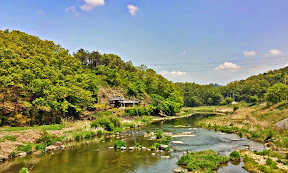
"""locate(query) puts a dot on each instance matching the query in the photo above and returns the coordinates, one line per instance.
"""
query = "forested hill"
(41, 82)
(268, 87)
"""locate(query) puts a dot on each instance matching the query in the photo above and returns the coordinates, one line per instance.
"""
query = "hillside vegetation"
(41, 82)
(268, 87)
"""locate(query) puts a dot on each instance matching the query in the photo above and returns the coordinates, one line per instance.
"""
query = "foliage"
(118, 144)
(235, 155)
(199, 95)
(23, 170)
(9, 138)
(28, 148)
(47, 139)
(277, 93)
(41, 147)
(107, 123)
(235, 107)
(202, 161)
(41, 83)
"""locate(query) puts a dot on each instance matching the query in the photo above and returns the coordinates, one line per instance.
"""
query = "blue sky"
(200, 41)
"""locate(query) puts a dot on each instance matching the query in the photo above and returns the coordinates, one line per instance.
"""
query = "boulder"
(52, 147)
(131, 148)
(57, 144)
(144, 148)
(177, 142)
(62, 146)
(163, 147)
(153, 154)
(122, 148)
(110, 148)
(177, 170)
(22, 154)
(165, 157)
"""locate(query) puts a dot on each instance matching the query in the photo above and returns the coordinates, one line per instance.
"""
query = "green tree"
(277, 93)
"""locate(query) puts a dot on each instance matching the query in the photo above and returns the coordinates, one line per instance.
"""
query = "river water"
(97, 157)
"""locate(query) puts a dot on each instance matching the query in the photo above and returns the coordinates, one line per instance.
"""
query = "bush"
(41, 147)
(28, 148)
(235, 107)
(99, 133)
(115, 120)
(23, 170)
(235, 155)
(118, 144)
(203, 161)
(47, 139)
(103, 122)
(87, 135)
(78, 137)
(148, 131)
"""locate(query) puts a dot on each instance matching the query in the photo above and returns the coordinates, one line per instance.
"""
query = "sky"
(201, 41)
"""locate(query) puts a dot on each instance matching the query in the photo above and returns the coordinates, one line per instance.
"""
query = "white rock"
(177, 142)
(165, 157)
(22, 154)
(110, 148)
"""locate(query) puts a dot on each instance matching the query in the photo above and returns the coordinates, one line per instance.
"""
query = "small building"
(118, 101)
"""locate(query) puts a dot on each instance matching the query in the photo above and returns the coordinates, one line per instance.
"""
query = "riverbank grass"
(202, 161)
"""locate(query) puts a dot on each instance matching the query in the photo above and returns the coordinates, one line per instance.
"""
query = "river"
(97, 157)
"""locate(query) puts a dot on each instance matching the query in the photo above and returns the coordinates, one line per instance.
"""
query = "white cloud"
(41, 12)
(90, 4)
(227, 66)
(286, 65)
(249, 53)
(173, 73)
(274, 52)
(132, 9)
(72, 10)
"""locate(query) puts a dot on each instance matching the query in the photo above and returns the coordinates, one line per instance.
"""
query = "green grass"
(205, 161)
(9, 138)
(45, 127)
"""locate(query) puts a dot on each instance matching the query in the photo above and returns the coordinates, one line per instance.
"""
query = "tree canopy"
(41, 82)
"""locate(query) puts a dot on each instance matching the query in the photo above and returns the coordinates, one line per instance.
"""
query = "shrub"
(235, 107)
(103, 122)
(78, 137)
(235, 155)
(118, 129)
(23, 170)
(148, 131)
(40, 147)
(99, 133)
(203, 161)
(28, 148)
(47, 139)
(87, 135)
(159, 134)
(115, 120)
(118, 144)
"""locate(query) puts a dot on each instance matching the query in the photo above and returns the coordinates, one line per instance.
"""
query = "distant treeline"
(40, 82)
(270, 87)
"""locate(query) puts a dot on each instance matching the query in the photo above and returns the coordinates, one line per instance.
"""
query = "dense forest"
(270, 87)
(41, 82)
